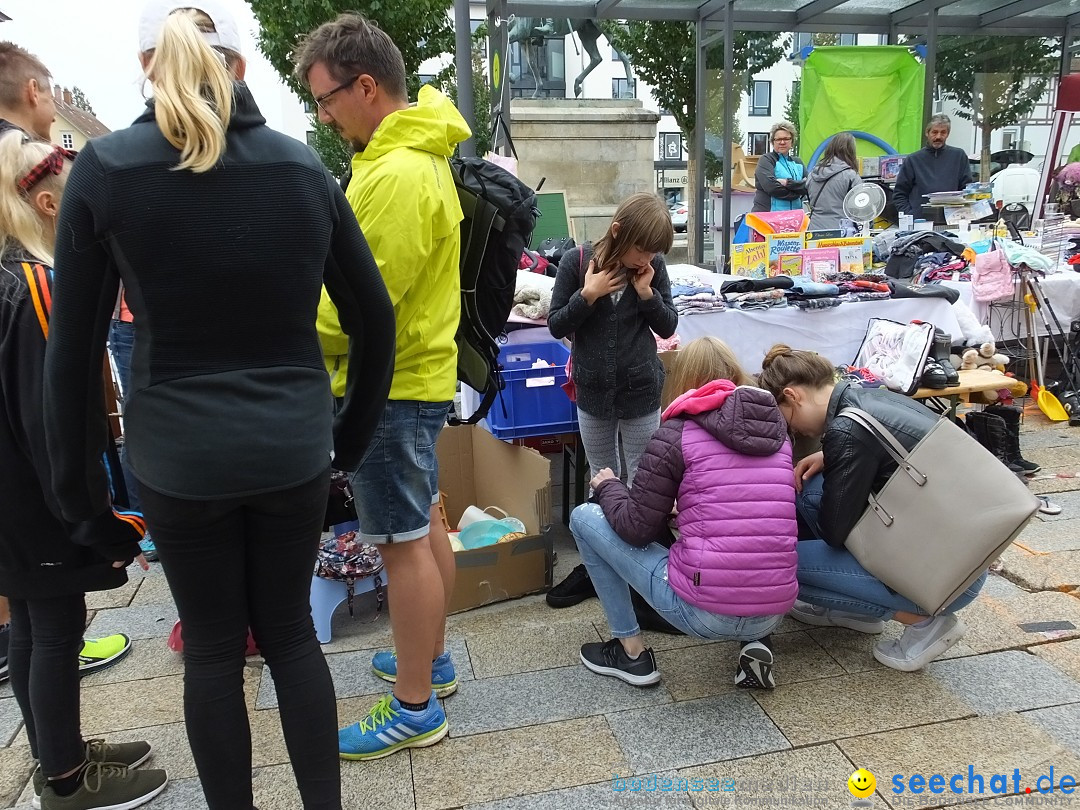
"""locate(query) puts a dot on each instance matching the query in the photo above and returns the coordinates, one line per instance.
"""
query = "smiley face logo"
(861, 783)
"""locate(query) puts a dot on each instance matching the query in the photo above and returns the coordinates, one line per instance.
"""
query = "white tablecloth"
(836, 332)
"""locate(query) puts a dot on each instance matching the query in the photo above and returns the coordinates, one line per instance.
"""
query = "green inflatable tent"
(873, 89)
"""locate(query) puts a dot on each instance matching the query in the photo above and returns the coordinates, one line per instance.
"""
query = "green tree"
(422, 30)
(791, 108)
(78, 99)
(663, 55)
(996, 81)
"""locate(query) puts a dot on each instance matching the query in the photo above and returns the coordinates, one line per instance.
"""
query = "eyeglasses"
(781, 140)
(320, 101)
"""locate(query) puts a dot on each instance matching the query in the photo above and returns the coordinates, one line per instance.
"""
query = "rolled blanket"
(532, 303)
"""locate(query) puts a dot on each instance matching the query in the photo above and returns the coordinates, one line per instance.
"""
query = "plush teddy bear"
(986, 356)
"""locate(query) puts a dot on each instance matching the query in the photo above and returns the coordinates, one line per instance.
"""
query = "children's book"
(819, 261)
(851, 259)
(864, 243)
(750, 259)
(791, 264)
(780, 243)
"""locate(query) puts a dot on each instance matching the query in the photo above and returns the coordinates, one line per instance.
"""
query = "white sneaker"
(826, 617)
(918, 646)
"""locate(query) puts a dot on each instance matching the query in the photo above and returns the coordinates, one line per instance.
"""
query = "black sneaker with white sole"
(609, 658)
(755, 670)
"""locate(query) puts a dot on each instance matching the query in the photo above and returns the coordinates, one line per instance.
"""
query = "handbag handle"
(886, 439)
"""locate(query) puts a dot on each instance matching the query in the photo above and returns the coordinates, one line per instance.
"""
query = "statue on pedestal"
(530, 32)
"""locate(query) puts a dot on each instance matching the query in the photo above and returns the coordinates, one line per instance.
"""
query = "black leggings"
(43, 661)
(237, 563)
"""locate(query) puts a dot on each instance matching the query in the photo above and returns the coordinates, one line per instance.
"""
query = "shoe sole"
(651, 679)
(871, 628)
(130, 805)
(440, 690)
(422, 741)
(932, 652)
(756, 666)
(98, 666)
(559, 602)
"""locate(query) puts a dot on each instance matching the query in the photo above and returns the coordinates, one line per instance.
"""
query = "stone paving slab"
(149, 658)
(352, 675)
(528, 699)
(989, 683)
(988, 745)
(609, 795)
(694, 732)
(709, 669)
(542, 647)
(1064, 655)
(831, 709)
(812, 777)
(1062, 723)
(529, 611)
(1054, 437)
(117, 597)
(148, 621)
(1059, 571)
(366, 629)
(854, 651)
(487, 767)
(1066, 454)
(1041, 536)
(154, 590)
(15, 769)
(10, 721)
(998, 624)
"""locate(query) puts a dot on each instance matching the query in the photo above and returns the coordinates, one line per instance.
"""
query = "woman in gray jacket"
(831, 180)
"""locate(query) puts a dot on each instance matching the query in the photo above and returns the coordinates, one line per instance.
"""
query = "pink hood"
(707, 398)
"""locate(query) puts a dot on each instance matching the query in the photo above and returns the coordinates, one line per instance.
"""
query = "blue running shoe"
(149, 550)
(389, 728)
(443, 674)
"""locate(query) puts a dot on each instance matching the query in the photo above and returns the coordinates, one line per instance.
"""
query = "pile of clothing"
(533, 303)
(941, 266)
(694, 295)
(908, 248)
(756, 293)
(860, 286)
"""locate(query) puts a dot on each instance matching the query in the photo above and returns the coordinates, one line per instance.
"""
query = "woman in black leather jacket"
(834, 485)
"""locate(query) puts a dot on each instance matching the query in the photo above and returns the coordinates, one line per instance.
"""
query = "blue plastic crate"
(533, 402)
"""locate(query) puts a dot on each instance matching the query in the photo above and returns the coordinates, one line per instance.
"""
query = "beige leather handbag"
(950, 509)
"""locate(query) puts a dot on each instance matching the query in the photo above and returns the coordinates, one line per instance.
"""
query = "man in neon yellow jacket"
(405, 200)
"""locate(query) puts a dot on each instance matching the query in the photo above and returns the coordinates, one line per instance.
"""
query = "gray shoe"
(918, 646)
(131, 754)
(825, 617)
(108, 786)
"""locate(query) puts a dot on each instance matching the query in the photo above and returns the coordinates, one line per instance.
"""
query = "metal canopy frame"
(717, 20)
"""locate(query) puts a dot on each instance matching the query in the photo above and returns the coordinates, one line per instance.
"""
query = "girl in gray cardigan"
(612, 296)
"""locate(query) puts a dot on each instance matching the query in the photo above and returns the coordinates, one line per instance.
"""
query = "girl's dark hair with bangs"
(644, 223)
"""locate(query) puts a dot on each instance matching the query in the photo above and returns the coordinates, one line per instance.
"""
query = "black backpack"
(500, 214)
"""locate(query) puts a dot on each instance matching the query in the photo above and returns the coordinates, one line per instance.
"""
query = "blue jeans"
(121, 343)
(397, 483)
(616, 566)
(832, 577)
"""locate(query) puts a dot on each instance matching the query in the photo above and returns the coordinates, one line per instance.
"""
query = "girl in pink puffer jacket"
(723, 454)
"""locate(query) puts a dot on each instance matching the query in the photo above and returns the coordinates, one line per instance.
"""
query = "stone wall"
(597, 151)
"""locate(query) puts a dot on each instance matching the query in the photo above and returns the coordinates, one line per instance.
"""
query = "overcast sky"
(93, 44)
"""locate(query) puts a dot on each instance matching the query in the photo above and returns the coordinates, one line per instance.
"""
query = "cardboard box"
(476, 468)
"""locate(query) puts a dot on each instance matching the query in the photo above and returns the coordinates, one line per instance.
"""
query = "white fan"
(863, 204)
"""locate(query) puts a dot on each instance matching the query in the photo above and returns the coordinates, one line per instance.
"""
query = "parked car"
(680, 215)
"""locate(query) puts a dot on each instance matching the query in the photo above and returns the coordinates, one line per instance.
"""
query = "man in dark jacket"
(936, 167)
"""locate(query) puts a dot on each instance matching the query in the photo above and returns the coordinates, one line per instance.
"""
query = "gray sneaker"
(825, 617)
(131, 754)
(918, 646)
(108, 786)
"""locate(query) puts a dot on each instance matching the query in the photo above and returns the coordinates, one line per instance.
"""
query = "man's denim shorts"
(398, 480)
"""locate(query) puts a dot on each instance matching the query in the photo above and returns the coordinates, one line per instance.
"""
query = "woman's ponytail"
(193, 90)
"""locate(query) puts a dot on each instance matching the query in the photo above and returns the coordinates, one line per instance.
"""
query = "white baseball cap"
(154, 13)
